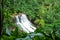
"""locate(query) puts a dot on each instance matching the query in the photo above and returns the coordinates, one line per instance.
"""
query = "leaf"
(42, 22)
(8, 31)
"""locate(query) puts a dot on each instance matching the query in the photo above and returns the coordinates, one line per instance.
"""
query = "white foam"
(25, 24)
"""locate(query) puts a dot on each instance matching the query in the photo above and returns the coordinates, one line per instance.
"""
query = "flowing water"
(23, 23)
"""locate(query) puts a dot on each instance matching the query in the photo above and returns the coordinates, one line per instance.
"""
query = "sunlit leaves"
(42, 22)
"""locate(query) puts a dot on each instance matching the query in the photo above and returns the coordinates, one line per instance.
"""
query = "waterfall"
(24, 23)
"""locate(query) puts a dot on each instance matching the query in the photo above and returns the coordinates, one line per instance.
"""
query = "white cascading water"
(25, 24)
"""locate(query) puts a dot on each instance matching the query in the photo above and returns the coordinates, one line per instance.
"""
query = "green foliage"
(45, 15)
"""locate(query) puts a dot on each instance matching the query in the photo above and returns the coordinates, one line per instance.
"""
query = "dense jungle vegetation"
(44, 14)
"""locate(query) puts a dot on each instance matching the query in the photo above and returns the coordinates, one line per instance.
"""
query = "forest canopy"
(44, 14)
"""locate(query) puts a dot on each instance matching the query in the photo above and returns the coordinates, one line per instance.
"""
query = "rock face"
(24, 24)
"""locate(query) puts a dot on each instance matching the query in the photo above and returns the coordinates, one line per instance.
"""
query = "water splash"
(23, 22)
